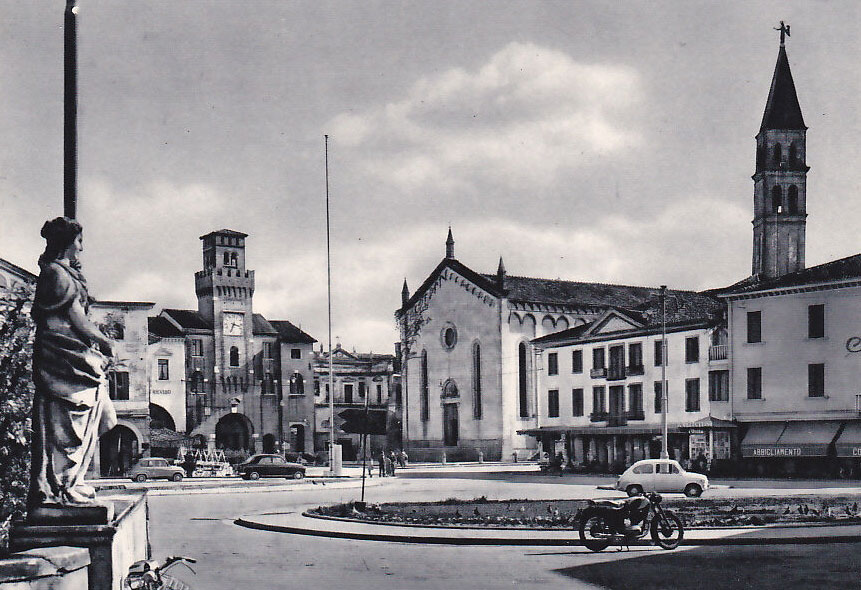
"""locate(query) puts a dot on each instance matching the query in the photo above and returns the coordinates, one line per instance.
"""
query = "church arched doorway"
(233, 432)
(118, 450)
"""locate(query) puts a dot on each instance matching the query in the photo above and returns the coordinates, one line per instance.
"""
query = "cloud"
(520, 119)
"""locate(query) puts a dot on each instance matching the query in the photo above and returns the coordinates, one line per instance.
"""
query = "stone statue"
(71, 407)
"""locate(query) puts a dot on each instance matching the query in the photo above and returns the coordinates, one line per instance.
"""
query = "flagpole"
(665, 453)
(70, 111)
(329, 296)
(365, 434)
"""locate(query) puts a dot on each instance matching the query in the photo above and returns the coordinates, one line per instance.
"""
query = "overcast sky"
(592, 141)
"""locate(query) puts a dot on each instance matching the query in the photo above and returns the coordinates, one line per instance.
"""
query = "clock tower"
(225, 289)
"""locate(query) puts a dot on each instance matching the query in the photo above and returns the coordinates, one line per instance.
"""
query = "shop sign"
(779, 452)
(161, 391)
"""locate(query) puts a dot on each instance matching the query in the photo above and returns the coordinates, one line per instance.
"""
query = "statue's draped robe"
(71, 407)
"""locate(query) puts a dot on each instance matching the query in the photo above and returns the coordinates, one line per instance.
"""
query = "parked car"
(155, 468)
(270, 466)
(661, 475)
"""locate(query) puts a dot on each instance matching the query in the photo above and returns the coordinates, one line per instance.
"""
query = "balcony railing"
(598, 416)
(598, 373)
(635, 370)
(718, 352)
(636, 415)
(616, 374)
(617, 420)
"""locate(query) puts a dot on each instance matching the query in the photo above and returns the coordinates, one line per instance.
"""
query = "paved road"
(231, 557)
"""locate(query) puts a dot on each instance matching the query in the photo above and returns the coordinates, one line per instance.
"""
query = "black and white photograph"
(430, 294)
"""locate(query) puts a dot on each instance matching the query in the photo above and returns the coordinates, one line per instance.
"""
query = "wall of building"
(169, 393)
(298, 409)
(785, 353)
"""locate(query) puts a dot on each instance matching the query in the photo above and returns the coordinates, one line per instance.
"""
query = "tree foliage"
(16, 397)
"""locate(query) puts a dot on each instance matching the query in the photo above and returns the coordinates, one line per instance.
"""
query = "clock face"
(233, 323)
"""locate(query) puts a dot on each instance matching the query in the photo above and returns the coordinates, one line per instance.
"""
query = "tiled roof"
(575, 293)
(189, 319)
(836, 270)
(161, 327)
(227, 232)
(138, 304)
(21, 273)
(261, 325)
(782, 110)
(290, 333)
(545, 291)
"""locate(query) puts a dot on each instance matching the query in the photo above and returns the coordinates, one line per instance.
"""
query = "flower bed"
(695, 513)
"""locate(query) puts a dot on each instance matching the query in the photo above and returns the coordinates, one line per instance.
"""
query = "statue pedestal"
(115, 534)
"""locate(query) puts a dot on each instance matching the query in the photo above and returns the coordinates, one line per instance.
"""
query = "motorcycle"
(148, 574)
(607, 521)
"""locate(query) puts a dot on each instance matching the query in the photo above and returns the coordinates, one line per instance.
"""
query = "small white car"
(661, 475)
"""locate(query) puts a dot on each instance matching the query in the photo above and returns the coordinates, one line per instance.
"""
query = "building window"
(617, 362)
(692, 395)
(598, 405)
(553, 403)
(754, 383)
(234, 356)
(523, 380)
(635, 358)
(576, 361)
(816, 380)
(196, 347)
(598, 358)
(197, 382)
(553, 364)
(659, 353)
(118, 385)
(448, 336)
(719, 386)
(754, 326)
(659, 397)
(227, 259)
(316, 387)
(362, 389)
(348, 393)
(476, 381)
(425, 392)
(269, 350)
(777, 154)
(295, 353)
(776, 199)
(792, 199)
(577, 402)
(692, 349)
(379, 393)
(163, 370)
(450, 389)
(635, 401)
(816, 321)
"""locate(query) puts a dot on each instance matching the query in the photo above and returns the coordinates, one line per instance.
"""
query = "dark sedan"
(270, 466)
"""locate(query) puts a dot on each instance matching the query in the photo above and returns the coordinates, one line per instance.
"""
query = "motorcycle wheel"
(667, 532)
(594, 531)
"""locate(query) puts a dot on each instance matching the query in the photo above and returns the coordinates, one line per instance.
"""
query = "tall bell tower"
(780, 181)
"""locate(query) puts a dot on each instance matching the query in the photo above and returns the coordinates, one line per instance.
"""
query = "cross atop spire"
(784, 33)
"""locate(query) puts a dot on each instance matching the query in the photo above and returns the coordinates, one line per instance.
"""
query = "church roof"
(782, 110)
(161, 327)
(290, 333)
(189, 319)
(262, 326)
(837, 270)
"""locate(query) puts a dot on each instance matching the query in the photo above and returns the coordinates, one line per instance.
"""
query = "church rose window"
(449, 337)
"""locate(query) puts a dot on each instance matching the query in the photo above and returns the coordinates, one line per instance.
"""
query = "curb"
(738, 540)
(237, 489)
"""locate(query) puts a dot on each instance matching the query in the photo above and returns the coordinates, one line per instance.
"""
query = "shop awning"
(599, 430)
(849, 443)
(789, 439)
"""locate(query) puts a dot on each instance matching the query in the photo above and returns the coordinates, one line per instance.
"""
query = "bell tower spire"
(449, 245)
(780, 180)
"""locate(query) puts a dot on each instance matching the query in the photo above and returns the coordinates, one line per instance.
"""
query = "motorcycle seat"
(612, 504)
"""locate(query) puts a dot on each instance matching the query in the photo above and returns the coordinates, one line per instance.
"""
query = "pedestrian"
(382, 463)
(189, 463)
(392, 462)
(403, 458)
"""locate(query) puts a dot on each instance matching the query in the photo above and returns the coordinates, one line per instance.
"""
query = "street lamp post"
(665, 454)
(70, 111)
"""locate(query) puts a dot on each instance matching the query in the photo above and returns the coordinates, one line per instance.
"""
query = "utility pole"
(332, 466)
(70, 111)
(665, 453)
